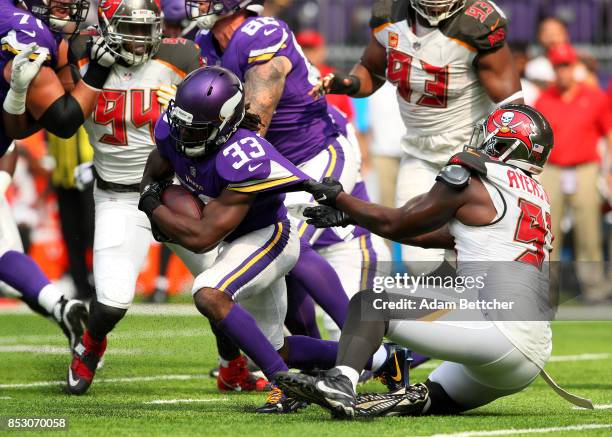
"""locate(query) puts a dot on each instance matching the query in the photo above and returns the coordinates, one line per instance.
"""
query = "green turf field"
(155, 359)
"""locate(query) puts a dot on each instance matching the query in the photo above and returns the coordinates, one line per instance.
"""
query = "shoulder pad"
(455, 176)
(481, 25)
(181, 53)
(471, 160)
(388, 11)
(79, 49)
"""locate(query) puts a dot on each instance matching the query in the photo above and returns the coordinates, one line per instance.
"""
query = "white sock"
(379, 358)
(223, 363)
(351, 374)
(48, 297)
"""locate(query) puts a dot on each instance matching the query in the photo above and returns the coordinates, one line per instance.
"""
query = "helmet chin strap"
(509, 150)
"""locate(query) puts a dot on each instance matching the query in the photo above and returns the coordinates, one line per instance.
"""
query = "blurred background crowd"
(563, 49)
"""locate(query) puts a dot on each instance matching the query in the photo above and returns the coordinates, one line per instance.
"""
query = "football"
(181, 201)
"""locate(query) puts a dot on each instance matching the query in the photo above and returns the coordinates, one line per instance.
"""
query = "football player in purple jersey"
(34, 64)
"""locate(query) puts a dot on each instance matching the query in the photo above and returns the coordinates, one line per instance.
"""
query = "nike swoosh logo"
(73, 382)
(31, 33)
(398, 372)
(253, 168)
(269, 31)
(324, 388)
(495, 25)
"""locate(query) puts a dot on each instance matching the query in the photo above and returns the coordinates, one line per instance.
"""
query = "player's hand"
(158, 235)
(336, 83)
(83, 176)
(165, 93)
(101, 53)
(324, 192)
(150, 198)
(26, 66)
(327, 217)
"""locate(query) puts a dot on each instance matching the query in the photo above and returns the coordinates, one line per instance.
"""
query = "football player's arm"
(222, 215)
(367, 76)
(263, 88)
(498, 75)
(439, 239)
(420, 215)
(156, 169)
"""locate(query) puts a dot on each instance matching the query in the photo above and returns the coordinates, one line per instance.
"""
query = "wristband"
(15, 102)
(96, 75)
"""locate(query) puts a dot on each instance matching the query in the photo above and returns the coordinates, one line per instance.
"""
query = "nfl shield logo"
(193, 171)
(393, 40)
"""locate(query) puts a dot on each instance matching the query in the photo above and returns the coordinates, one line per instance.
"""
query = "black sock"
(102, 319)
(362, 334)
(225, 346)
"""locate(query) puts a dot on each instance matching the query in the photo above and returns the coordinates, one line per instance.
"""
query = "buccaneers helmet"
(131, 28)
(518, 135)
(61, 16)
(435, 11)
(207, 12)
(207, 110)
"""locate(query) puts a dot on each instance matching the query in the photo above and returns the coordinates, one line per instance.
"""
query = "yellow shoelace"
(274, 396)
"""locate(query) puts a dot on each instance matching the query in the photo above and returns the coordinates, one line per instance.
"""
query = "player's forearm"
(369, 82)
(438, 239)
(18, 126)
(156, 169)
(499, 76)
(196, 235)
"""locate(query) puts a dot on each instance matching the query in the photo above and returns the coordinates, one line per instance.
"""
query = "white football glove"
(101, 53)
(165, 93)
(26, 66)
(83, 176)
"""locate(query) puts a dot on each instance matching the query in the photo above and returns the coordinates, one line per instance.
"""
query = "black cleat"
(73, 317)
(278, 403)
(331, 390)
(395, 372)
(405, 401)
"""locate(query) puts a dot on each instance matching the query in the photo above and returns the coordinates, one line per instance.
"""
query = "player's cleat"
(72, 318)
(332, 390)
(279, 403)
(394, 373)
(83, 367)
(405, 401)
(236, 377)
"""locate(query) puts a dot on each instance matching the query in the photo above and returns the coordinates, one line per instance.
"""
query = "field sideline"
(155, 381)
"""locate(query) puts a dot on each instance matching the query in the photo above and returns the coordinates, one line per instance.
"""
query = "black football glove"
(150, 198)
(327, 217)
(338, 83)
(324, 192)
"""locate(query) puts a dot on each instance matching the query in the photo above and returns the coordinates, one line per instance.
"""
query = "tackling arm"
(497, 74)
(156, 169)
(263, 88)
(221, 217)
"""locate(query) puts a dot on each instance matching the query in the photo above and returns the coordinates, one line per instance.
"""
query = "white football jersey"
(513, 251)
(437, 86)
(121, 126)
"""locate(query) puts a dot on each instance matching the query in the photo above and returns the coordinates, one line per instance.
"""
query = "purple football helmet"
(173, 10)
(62, 16)
(208, 107)
(207, 12)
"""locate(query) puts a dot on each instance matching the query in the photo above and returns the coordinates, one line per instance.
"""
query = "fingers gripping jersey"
(247, 163)
(300, 126)
(19, 28)
(522, 229)
(121, 127)
(437, 86)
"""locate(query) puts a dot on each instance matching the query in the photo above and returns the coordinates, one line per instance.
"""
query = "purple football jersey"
(247, 163)
(19, 28)
(300, 127)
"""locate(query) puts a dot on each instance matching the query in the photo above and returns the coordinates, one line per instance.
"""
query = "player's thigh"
(474, 386)
(269, 309)
(121, 242)
(196, 263)
(252, 262)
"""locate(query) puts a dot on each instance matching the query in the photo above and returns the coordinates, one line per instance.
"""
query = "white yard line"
(597, 407)
(5, 397)
(527, 430)
(57, 350)
(182, 401)
(110, 380)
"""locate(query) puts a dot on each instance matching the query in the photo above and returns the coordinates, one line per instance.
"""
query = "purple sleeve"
(261, 39)
(162, 137)
(25, 30)
(249, 164)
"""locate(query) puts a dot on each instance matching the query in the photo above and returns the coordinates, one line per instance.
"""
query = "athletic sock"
(379, 358)
(226, 348)
(308, 353)
(102, 320)
(351, 374)
(240, 326)
(301, 318)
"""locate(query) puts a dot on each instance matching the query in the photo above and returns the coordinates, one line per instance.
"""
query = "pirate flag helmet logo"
(515, 134)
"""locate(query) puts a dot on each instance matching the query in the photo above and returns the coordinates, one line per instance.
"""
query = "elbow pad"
(64, 117)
